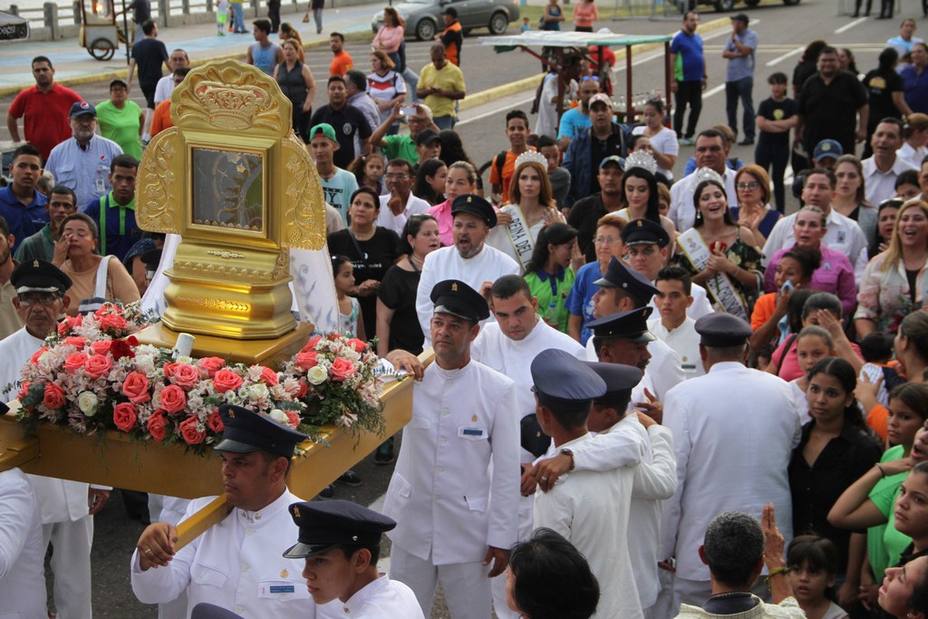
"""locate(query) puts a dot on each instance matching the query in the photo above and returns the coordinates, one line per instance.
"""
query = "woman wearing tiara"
(722, 256)
(639, 193)
(531, 207)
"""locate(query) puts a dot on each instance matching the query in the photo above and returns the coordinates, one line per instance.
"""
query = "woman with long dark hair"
(549, 274)
(430, 181)
(452, 148)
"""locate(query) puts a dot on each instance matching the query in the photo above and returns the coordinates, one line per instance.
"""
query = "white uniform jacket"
(22, 557)
(446, 263)
(440, 492)
(59, 500)
(664, 370)
(591, 509)
(381, 599)
(684, 341)
(236, 564)
(697, 309)
(734, 430)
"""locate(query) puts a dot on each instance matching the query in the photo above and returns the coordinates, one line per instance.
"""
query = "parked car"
(722, 5)
(424, 20)
(13, 27)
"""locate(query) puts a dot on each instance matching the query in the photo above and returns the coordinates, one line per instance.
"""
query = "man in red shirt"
(44, 109)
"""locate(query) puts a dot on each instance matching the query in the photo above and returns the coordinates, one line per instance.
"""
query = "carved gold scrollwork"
(303, 222)
(157, 208)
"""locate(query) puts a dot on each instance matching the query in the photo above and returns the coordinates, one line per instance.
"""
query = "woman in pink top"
(390, 36)
(461, 180)
(585, 13)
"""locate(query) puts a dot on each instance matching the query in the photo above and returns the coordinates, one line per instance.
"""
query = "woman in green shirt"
(121, 120)
(549, 274)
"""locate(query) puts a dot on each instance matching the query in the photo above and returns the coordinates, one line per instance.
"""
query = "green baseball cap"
(326, 129)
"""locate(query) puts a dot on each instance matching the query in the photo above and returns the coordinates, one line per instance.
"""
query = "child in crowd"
(222, 16)
(525, 25)
(812, 563)
(369, 171)
(775, 117)
(812, 345)
(877, 351)
(350, 323)
(557, 174)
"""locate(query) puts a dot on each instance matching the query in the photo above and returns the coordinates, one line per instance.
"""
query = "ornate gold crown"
(231, 106)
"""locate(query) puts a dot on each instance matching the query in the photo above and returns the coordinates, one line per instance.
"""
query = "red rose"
(208, 366)
(293, 418)
(226, 380)
(333, 336)
(190, 431)
(53, 397)
(168, 369)
(268, 376)
(107, 308)
(76, 341)
(98, 365)
(120, 349)
(358, 345)
(23, 390)
(172, 399)
(341, 369)
(303, 390)
(74, 362)
(214, 422)
(35, 356)
(100, 347)
(125, 416)
(158, 426)
(311, 344)
(113, 322)
(306, 360)
(135, 387)
(184, 375)
(71, 322)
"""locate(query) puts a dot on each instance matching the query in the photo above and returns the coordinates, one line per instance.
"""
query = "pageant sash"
(520, 237)
(726, 296)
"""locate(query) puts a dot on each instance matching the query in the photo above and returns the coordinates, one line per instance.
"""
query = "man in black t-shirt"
(885, 89)
(776, 116)
(352, 130)
(148, 55)
(586, 212)
(141, 13)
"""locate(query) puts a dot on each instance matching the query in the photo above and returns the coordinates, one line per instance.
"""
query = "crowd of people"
(676, 363)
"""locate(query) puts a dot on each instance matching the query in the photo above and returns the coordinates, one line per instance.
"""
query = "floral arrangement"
(93, 375)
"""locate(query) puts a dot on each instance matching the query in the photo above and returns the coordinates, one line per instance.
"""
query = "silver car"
(424, 20)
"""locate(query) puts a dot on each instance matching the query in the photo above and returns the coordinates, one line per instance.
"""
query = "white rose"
(279, 416)
(87, 401)
(145, 364)
(258, 391)
(317, 375)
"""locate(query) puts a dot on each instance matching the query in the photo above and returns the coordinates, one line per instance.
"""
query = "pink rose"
(208, 366)
(341, 369)
(74, 362)
(158, 426)
(185, 375)
(54, 396)
(23, 390)
(98, 365)
(293, 418)
(113, 322)
(69, 323)
(226, 380)
(168, 369)
(101, 347)
(268, 376)
(189, 431)
(76, 341)
(125, 416)
(173, 399)
(358, 345)
(135, 387)
(35, 356)
(303, 389)
(311, 344)
(214, 422)
(306, 360)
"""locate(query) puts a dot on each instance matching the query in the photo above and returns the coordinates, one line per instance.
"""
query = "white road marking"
(779, 59)
(713, 91)
(847, 27)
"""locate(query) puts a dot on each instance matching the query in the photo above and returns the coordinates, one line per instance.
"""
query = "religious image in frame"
(228, 189)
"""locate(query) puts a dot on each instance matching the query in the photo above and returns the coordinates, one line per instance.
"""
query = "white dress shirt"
(446, 263)
(440, 492)
(662, 374)
(236, 564)
(682, 208)
(164, 88)
(684, 341)
(591, 509)
(698, 308)
(382, 599)
(879, 186)
(911, 155)
(843, 234)
(734, 430)
(387, 219)
(22, 557)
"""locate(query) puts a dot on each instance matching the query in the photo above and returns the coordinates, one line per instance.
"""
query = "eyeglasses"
(605, 240)
(748, 185)
(589, 78)
(29, 299)
(395, 177)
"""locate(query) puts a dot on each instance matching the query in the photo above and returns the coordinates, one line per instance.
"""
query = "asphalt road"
(783, 31)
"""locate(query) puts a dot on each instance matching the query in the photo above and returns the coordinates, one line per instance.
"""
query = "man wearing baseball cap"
(337, 184)
(585, 153)
(82, 162)
(739, 76)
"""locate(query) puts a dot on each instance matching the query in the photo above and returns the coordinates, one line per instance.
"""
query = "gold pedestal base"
(269, 352)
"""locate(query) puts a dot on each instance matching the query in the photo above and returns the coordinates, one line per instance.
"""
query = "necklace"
(412, 262)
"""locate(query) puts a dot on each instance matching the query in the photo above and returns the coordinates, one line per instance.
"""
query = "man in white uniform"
(470, 260)
(842, 234)
(672, 326)
(590, 509)
(508, 346)
(449, 529)
(622, 289)
(22, 573)
(730, 455)
(66, 507)
(233, 564)
(710, 153)
(340, 542)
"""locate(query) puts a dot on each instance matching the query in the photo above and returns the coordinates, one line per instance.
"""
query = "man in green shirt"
(114, 212)
(121, 120)
(41, 245)
(403, 146)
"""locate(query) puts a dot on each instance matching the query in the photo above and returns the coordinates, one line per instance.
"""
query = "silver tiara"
(641, 159)
(708, 174)
(531, 155)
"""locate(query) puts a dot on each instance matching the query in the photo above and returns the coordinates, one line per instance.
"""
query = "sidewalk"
(74, 66)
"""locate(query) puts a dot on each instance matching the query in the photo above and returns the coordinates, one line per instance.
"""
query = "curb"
(528, 83)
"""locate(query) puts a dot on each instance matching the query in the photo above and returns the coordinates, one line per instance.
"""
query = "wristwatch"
(570, 454)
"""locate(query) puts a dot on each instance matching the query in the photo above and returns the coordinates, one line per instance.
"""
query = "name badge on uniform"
(276, 588)
(472, 433)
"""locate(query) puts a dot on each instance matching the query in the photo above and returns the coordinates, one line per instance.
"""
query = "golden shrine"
(240, 188)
